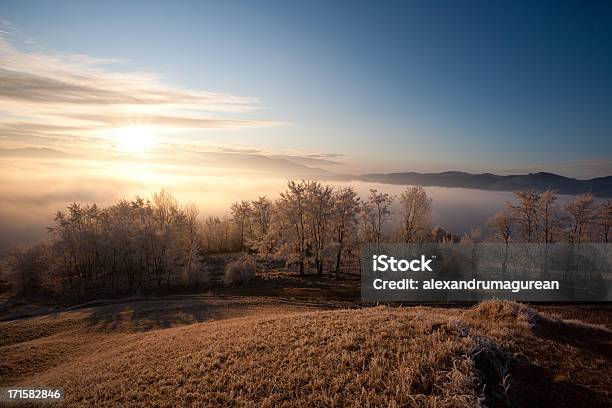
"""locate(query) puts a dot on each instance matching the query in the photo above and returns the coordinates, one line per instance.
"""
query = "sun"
(134, 139)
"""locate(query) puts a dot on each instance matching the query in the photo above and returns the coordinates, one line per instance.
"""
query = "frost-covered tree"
(548, 218)
(319, 215)
(346, 207)
(291, 223)
(376, 211)
(605, 222)
(242, 213)
(263, 239)
(416, 214)
(581, 213)
(525, 214)
(28, 267)
(142, 244)
(502, 224)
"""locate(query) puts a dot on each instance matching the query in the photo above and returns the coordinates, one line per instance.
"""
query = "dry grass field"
(257, 351)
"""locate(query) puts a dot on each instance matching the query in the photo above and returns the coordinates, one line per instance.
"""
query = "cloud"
(34, 152)
(241, 158)
(327, 156)
(47, 96)
(75, 78)
(172, 121)
(312, 159)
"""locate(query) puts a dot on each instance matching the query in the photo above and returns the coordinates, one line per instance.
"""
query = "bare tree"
(525, 214)
(219, 236)
(319, 211)
(376, 212)
(605, 222)
(291, 222)
(549, 221)
(346, 209)
(549, 226)
(580, 218)
(136, 245)
(191, 242)
(262, 215)
(502, 224)
(27, 267)
(262, 241)
(241, 216)
(416, 214)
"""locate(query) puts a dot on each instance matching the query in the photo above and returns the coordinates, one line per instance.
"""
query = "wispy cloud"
(47, 96)
(313, 159)
(248, 158)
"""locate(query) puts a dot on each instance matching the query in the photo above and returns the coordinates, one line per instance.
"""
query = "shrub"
(240, 271)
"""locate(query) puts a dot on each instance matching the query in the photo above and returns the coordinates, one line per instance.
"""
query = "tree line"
(158, 243)
(539, 218)
(313, 224)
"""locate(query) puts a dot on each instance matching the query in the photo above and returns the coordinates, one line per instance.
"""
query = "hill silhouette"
(600, 186)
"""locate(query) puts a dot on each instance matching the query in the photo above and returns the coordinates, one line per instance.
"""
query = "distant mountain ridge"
(600, 186)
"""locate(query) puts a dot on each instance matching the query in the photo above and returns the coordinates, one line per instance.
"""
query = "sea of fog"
(31, 193)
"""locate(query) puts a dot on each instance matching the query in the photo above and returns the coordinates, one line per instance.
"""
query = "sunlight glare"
(135, 139)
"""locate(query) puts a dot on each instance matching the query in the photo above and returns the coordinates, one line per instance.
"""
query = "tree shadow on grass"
(160, 314)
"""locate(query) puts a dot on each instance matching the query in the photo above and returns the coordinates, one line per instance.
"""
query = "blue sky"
(417, 85)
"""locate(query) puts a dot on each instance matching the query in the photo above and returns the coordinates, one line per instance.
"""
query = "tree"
(167, 254)
(376, 212)
(344, 221)
(241, 216)
(134, 245)
(191, 242)
(261, 214)
(263, 239)
(416, 214)
(548, 219)
(291, 222)
(217, 236)
(319, 211)
(27, 266)
(525, 214)
(549, 226)
(580, 218)
(502, 224)
(605, 222)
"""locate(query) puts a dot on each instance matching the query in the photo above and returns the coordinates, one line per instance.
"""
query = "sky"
(224, 101)
(349, 87)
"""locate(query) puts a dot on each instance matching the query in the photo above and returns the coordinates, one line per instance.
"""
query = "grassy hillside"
(197, 351)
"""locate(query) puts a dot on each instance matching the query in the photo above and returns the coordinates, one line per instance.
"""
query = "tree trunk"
(338, 256)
